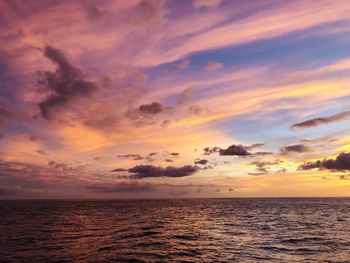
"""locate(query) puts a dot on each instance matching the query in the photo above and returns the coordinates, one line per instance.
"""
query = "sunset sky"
(176, 98)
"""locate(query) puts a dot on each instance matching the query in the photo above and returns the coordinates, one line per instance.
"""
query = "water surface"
(195, 230)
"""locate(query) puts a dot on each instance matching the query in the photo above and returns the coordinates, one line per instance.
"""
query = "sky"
(174, 98)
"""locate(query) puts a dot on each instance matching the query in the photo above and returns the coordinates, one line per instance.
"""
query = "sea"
(181, 230)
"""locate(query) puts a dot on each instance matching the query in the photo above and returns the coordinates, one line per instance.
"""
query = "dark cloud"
(65, 85)
(208, 150)
(322, 120)
(175, 154)
(165, 123)
(257, 173)
(41, 152)
(17, 169)
(297, 148)
(235, 150)
(119, 170)
(33, 138)
(169, 160)
(263, 167)
(147, 114)
(146, 171)
(196, 109)
(201, 162)
(238, 150)
(152, 108)
(149, 159)
(158, 113)
(35, 175)
(131, 156)
(340, 163)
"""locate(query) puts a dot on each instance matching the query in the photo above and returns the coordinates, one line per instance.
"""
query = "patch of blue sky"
(295, 50)
(273, 127)
(303, 49)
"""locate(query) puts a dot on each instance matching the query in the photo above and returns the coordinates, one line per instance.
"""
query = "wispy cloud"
(322, 120)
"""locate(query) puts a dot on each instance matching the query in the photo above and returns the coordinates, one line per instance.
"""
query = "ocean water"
(194, 230)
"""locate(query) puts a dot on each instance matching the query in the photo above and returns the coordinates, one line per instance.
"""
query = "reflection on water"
(203, 230)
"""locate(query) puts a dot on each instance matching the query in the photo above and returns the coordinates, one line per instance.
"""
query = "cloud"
(201, 161)
(9, 169)
(131, 156)
(147, 114)
(41, 152)
(322, 120)
(119, 170)
(340, 163)
(36, 175)
(297, 148)
(206, 3)
(146, 171)
(183, 64)
(156, 112)
(263, 167)
(208, 150)
(65, 85)
(238, 150)
(261, 164)
(152, 108)
(235, 150)
(214, 65)
(258, 173)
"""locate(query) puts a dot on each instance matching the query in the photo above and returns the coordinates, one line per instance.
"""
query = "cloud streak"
(297, 148)
(148, 171)
(322, 120)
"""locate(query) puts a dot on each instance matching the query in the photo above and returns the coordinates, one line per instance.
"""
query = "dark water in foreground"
(203, 230)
